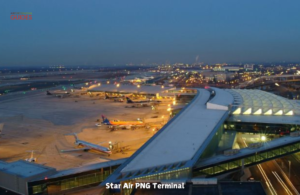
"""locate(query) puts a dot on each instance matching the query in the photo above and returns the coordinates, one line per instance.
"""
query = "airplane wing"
(74, 150)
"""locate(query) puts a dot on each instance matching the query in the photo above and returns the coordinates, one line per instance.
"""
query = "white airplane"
(88, 146)
(129, 101)
(31, 159)
(142, 103)
(59, 94)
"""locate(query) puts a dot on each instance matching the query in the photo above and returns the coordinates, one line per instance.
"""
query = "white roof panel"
(181, 139)
(222, 97)
(257, 99)
(24, 169)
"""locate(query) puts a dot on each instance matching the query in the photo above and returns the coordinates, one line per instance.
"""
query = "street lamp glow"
(107, 82)
(118, 85)
(263, 138)
(153, 131)
(162, 86)
(138, 86)
(99, 84)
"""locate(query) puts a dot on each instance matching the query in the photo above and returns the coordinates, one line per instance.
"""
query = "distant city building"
(248, 66)
(227, 68)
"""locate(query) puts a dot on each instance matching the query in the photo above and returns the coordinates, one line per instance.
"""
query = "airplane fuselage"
(135, 102)
(93, 146)
(135, 123)
(127, 124)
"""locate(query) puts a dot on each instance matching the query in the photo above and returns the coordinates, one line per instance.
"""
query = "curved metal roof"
(257, 102)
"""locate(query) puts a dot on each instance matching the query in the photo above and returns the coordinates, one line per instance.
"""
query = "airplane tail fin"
(105, 120)
(48, 93)
(129, 100)
(74, 134)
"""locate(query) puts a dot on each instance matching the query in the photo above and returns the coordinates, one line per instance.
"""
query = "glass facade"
(169, 175)
(212, 147)
(256, 158)
(261, 127)
(175, 174)
(62, 184)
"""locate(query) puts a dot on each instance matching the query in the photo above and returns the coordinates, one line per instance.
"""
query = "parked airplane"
(60, 94)
(122, 124)
(119, 98)
(129, 101)
(88, 146)
(139, 105)
(31, 159)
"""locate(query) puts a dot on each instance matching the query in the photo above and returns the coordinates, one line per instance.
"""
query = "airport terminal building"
(197, 143)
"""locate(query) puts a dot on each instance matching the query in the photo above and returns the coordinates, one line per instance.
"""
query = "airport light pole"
(110, 145)
(138, 87)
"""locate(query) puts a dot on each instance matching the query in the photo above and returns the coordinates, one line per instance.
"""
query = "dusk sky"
(106, 32)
